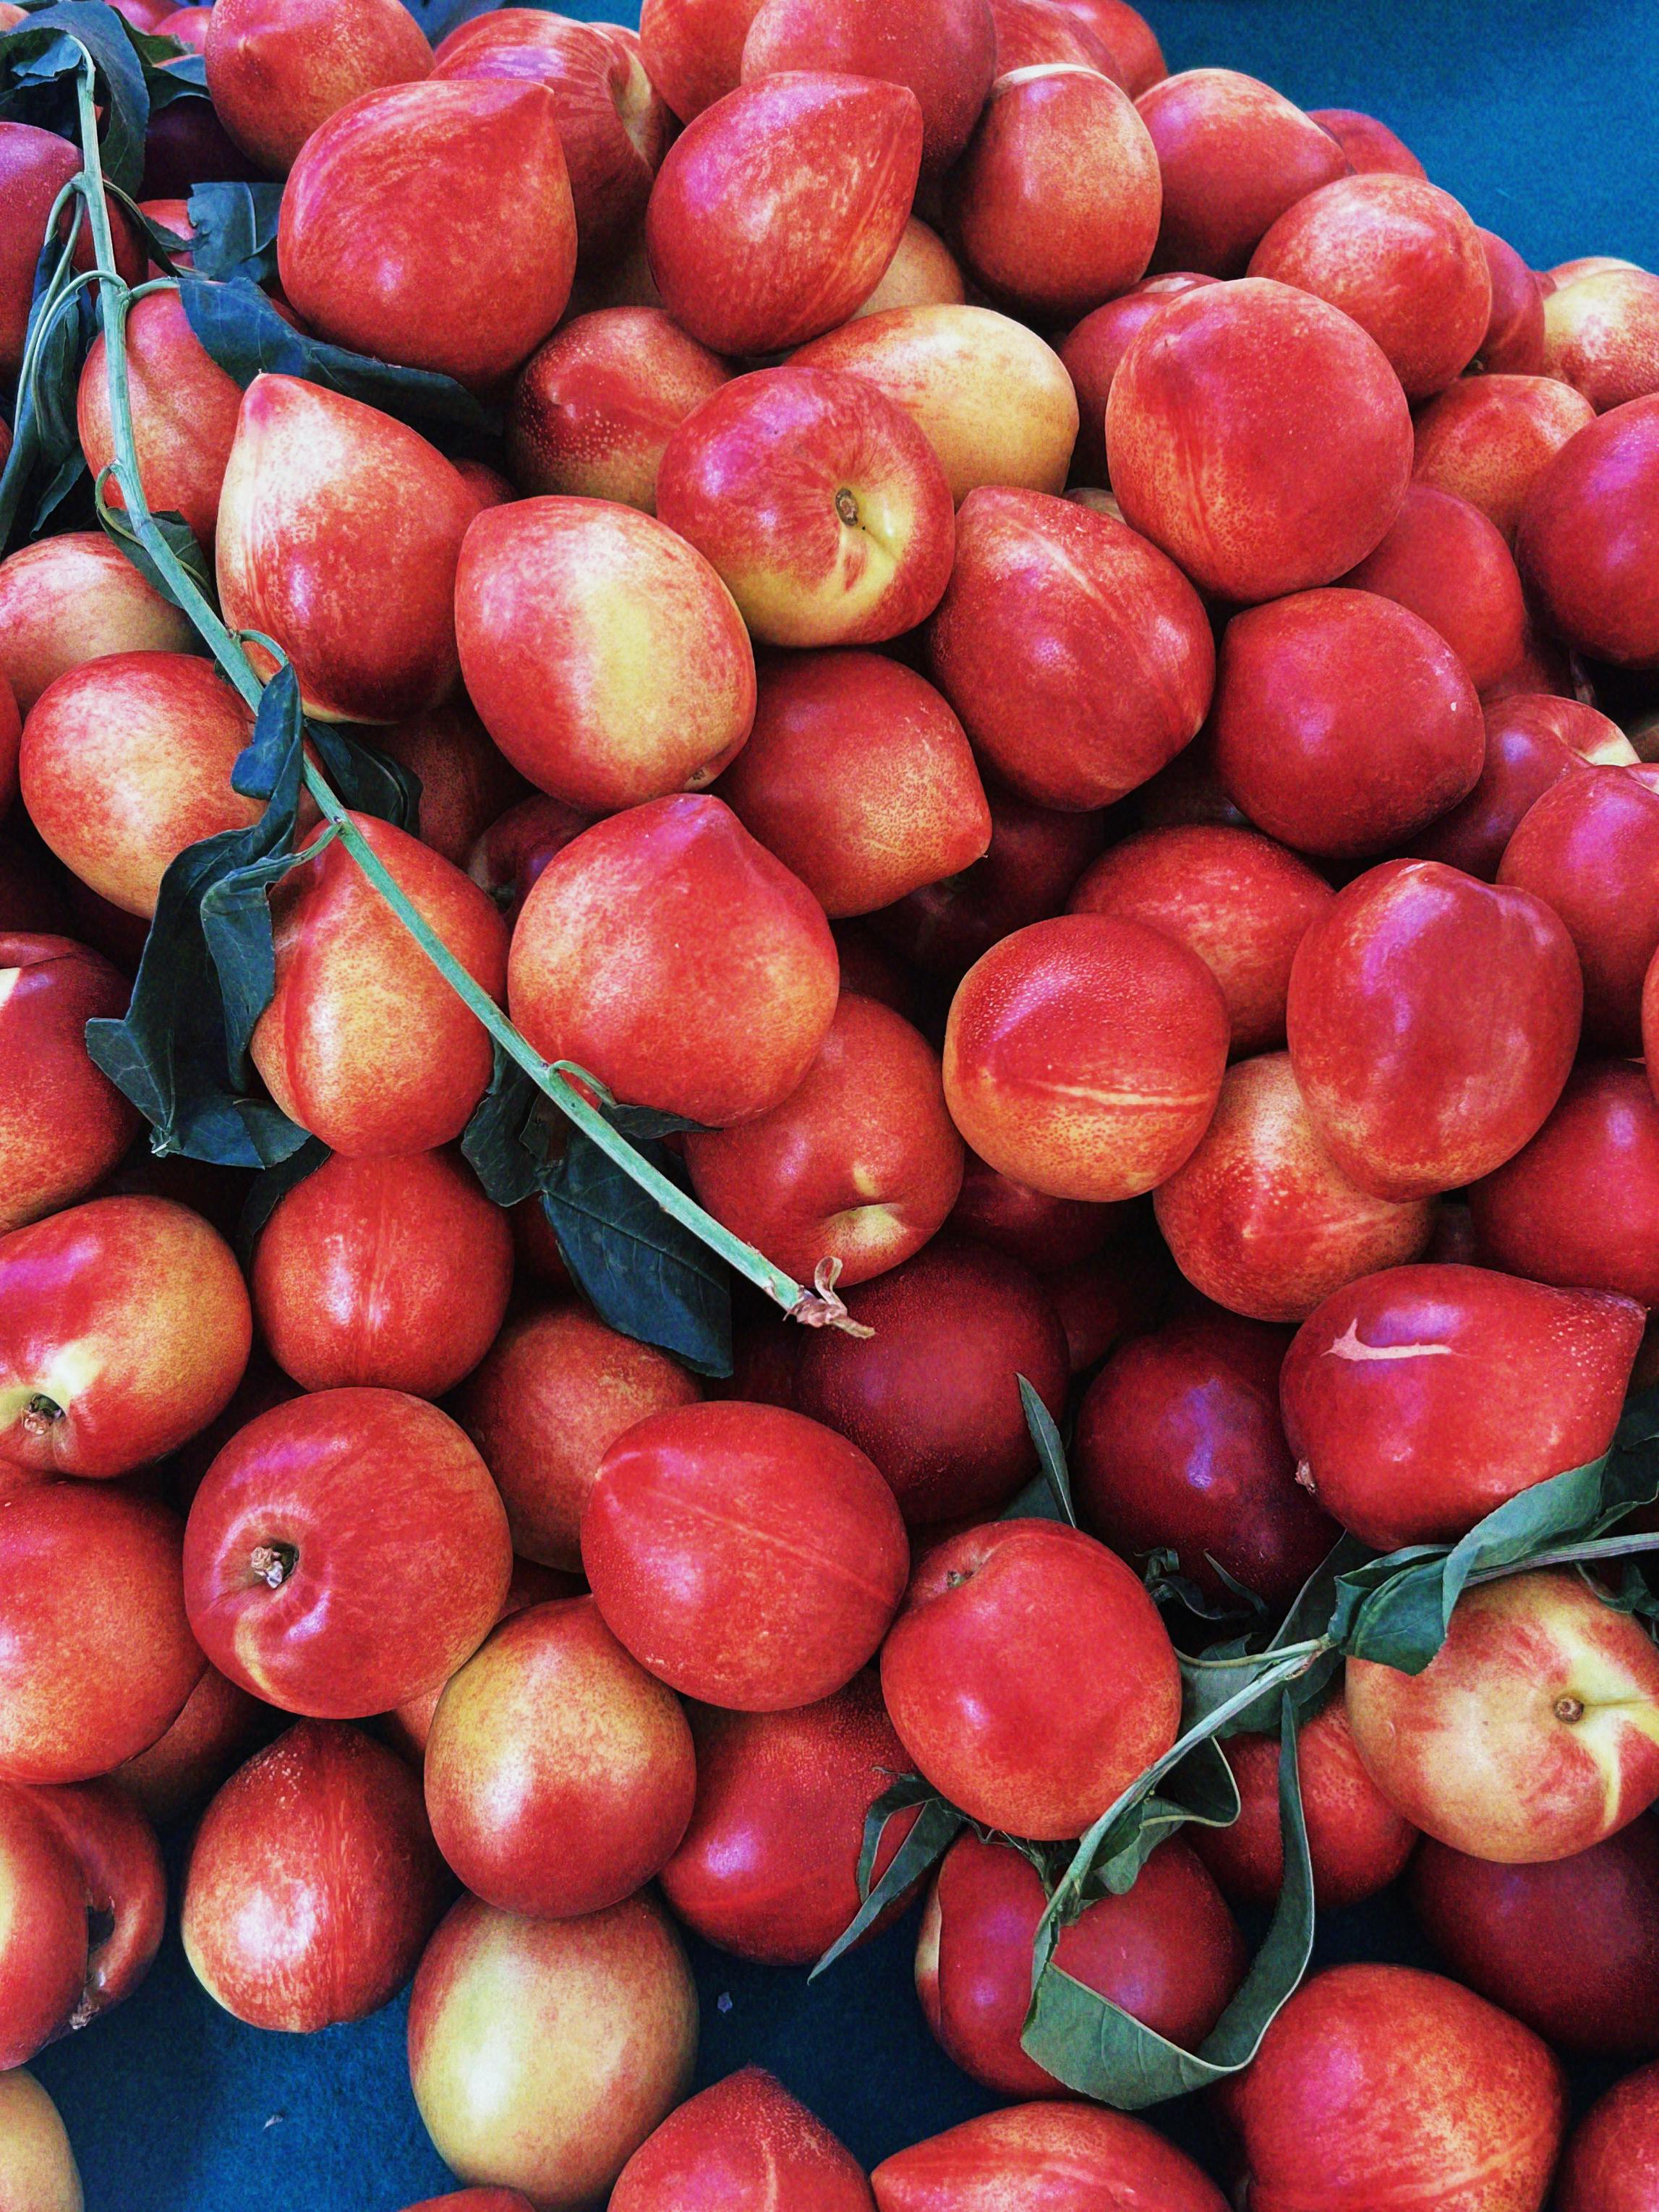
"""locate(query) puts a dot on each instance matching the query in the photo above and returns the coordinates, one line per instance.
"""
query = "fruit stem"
(818, 1305)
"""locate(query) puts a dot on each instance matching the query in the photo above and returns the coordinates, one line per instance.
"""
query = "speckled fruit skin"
(1487, 438)
(1533, 741)
(1094, 350)
(1571, 1948)
(1447, 563)
(593, 409)
(994, 402)
(944, 51)
(820, 501)
(1045, 1234)
(1356, 1842)
(175, 1775)
(1137, 1023)
(1079, 658)
(1044, 2157)
(1601, 335)
(1612, 2163)
(98, 1656)
(1418, 1400)
(1514, 343)
(543, 2052)
(184, 414)
(393, 1539)
(994, 1621)
(776, 212)
(1381, 2070)
(1234, 154)
(389, 1272)
(65, 600)
(466, 785)
(559, 1774)
(313, 1881)
(121, 1888)
(1590, 848)
(1589, 539)
(694, 49)
(127, 760)
(1260, 437)
(1402, 258)
(1343, 722)
(1167, 1953)
(769, 1866)
(130, 1316)
(63, 1123)
(1371, 146)
(1532, 1734)
(743, 2146)
(1241, 901)
(364, 1043)
(1179, 1443)
(339, 532)
(555, 1392)
(718, 1024)
(34, 167)
(1260, 1220)
(276, 71)
(861, 1163)
(43, 1928)
(859, 778)
(475, 2200)
(749, 1557)
(1433, 1023)
(933, 1395)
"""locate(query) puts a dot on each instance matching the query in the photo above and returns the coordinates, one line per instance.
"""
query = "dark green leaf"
(365, 779)
(271, 1188)
(1225, 1669)
(163, 245)
(234, 230)
(497, 1143)
(179, 535)
(937, 1827)
(40, 64)
(1050, 1497)
(1166, 1584)
(175, 72)
(240, 328)
(1200, 1789)
(46, 463)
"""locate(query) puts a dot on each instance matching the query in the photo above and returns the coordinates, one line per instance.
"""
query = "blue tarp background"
(1544, 119)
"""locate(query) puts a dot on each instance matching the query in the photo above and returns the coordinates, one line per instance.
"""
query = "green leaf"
(234, 230)
(118, 527)
(271, 1188)
(1201, 1790)
(1051, 1456)
(936, 1827)
(239, 327)
(1097, 2050)
(1220, 1673)
(40, 65)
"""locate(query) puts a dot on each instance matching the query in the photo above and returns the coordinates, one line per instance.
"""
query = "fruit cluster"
(869, 640)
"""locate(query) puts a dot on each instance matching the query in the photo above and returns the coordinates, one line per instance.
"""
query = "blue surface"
(1544, 120)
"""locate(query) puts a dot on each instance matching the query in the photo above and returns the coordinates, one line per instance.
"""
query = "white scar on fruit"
(1349, 1347)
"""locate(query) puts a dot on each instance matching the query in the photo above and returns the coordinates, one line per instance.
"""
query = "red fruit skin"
(1588, 540)
(1140, 1026)
(559, 1774)
(34, 167)
(364, 1043)
(1079, 659)
(129, 1317)
(716, 1026)
(391, 1554)
(1044, 1234)
(63, 1123)
(614, 125)
(1601, 333)
(1420, 1399)
(934, 1397)
(1447, 563)
(123, 1882)
(474, 2200)
(1356, 1842)
(1402, 258)
(1235, 155)
(1093, 351)
(1344, 723)
(1036, 855)
(1513, 344)
(1044, 2157)
(993, 1620)
(1590, 848)
(43, 1929)
(1054, 205)
(555, 1392)
(217, 1723)
(97, 1657)
(1033, 34)
(769, 1866)
(408, 1727)
(1179, 1443)
(593, 409)
(313, 1881)
(944, 52)
(276, 70)
(186, 145)
(184, 413)
(693, 49)
(1238, 900)
(76, 598)
(860, 1165)
(1433, 1023)
(466, 785)
(774, 214)
(394, 1273)
(1612, 2163)
(1487, 438)
(1580, 1204)
(1533, 741)
(339, 534)
(743, 2146)
(1261, 1221)
(1572, 1948)
(1375, 2070)
(1284, 412)
(506, 858)
(859, 777)
(748, 1557)
(1168, 1953)
(1371, 146)
(1128, 38)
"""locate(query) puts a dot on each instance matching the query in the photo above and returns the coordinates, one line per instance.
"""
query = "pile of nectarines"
(1057, 662)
